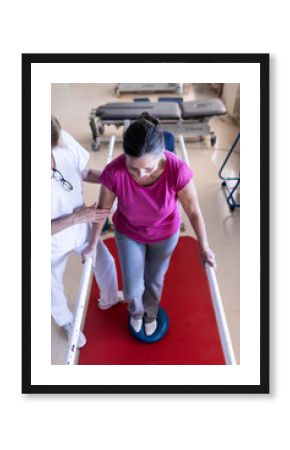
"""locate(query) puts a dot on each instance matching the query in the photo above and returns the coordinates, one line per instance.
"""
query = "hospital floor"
(71, 104)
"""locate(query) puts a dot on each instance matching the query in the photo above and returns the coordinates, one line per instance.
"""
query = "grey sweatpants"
(143, 269)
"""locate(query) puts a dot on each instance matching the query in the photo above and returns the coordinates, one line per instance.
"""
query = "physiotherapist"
(71, 226)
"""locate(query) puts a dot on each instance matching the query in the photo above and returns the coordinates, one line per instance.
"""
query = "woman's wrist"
(203, 246)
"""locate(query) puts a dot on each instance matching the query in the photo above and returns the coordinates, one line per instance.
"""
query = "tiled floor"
(71, 104)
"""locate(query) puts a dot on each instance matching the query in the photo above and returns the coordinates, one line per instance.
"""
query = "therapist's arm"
(91, 175)
(84, 214)
(106, 201)
(189, 201)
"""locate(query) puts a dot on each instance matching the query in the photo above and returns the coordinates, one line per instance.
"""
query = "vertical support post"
(220, 316)
(79, 310)
(110, 149)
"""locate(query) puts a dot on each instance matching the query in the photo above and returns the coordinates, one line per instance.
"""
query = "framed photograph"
(145, 259)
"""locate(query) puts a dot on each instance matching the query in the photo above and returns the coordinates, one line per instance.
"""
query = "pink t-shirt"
(147, 213)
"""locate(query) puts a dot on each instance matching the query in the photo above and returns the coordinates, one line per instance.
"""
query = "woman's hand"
(90, 214)
(89, 252)
(189, 201)
(207, 256)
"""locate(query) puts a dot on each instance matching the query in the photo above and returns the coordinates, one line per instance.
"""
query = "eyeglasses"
(58, 177)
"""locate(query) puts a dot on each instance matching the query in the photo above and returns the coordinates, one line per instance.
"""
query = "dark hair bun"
(143, 136)
(145, 115)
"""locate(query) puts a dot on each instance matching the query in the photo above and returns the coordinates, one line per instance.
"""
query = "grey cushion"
(133, 110)
(211, 107)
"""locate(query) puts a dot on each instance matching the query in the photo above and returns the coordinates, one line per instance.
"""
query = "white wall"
(231, 98)
(124, 422)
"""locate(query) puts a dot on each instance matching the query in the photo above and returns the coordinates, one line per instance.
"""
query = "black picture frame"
(263, 61)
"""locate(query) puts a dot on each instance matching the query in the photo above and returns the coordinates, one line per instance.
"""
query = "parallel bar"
(83, 289)
(220, 316)
(109, 159)
(183, 149)
(79, 310)
(215, 294)
(110, 149)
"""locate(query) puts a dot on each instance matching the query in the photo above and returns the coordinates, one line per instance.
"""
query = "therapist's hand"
(90, 214)
(89, 252)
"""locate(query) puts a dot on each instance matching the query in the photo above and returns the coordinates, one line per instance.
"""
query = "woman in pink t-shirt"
(148, 181)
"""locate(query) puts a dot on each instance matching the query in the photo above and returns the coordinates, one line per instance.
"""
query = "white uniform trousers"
(105, 275)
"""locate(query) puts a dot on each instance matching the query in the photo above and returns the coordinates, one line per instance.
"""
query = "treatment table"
(186, 118)
(130, 88)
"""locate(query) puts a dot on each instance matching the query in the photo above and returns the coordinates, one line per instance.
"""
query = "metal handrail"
(79, 308)
(215, 295)
(83, 290)
(220, 316)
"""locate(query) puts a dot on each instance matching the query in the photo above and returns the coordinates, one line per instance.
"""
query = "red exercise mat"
(192, 337)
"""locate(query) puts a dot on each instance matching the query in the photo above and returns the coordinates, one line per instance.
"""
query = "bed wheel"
(232, 208)
(100, 128)
(212, 140)
(224, 183)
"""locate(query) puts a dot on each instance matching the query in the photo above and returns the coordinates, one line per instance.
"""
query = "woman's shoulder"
(174, 161)
(110, 176)
(179, 173)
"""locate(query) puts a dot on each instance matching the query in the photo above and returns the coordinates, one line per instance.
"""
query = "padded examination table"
(161, 110)
(133, 110)
(186, 118)
(206, 108)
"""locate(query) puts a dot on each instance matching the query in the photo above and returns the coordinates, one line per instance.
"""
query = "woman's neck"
(156, 174)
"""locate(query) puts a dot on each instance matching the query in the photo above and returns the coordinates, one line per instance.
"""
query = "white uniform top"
(70, 159)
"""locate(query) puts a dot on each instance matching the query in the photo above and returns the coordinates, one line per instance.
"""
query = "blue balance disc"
(159, 333)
